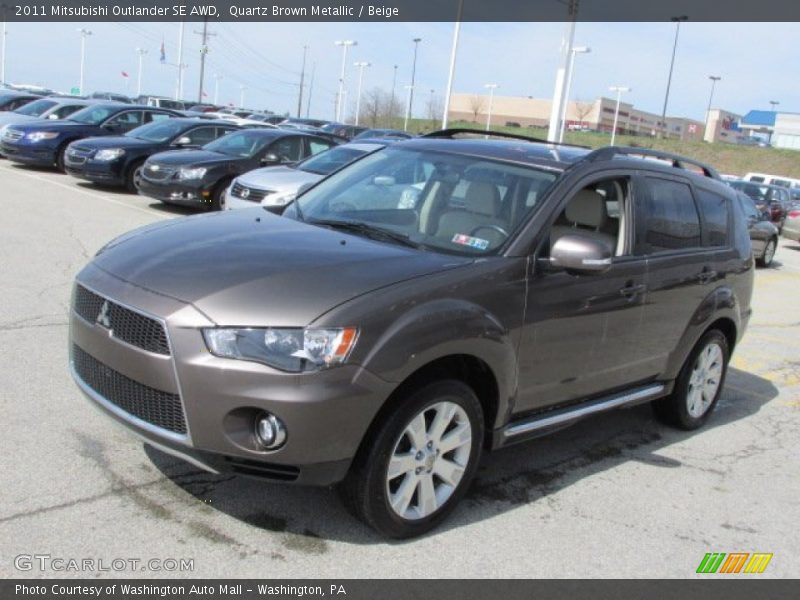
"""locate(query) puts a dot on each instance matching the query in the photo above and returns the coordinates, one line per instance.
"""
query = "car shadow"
(508, 478)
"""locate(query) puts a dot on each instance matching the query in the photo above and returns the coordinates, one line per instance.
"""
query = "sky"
(757, 61)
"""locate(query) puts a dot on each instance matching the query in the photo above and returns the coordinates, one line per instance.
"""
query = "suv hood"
(278, 178)
(251, 268)
(186, 158)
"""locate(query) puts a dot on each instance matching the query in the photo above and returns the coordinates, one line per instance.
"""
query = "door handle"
(630, 290)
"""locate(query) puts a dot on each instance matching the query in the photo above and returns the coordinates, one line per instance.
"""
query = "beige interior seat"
(586, 214)
(481, 207)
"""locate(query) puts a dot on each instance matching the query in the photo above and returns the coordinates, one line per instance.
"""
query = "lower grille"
(156, 407)
(125, 324)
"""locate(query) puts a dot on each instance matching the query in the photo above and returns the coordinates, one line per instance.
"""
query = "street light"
(570, 71)
(677, 21)
(452, 71)
(491, 87)
(345, 44)
(3, 43)
(714, 79)
(361, 65)
(84, 34)
(408, 107)
(619, 89)
(413, 75)
(217, 77)
(141, 52)
(774, 103)
(394, 85)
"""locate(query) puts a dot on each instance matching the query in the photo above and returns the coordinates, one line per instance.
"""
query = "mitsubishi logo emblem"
(103, 317)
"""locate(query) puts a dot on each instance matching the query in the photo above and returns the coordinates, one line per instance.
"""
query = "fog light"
(270, 431)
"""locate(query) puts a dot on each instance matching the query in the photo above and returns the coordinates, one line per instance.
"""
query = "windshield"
(242, 144)
(331, 160)
(36, 108)
(759, 193)
(456, 204)
(93, 115)
(158, 131)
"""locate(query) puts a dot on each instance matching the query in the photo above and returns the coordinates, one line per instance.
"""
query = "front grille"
(248, 193)
(12, 135)
(127, 325)
(157, 172)
(153, 406)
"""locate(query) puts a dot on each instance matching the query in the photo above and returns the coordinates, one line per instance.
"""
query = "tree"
(476, 103)
(582, 110)
(435, 110)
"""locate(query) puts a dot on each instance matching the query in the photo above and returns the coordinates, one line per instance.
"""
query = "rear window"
(715, 217)
(668, 217)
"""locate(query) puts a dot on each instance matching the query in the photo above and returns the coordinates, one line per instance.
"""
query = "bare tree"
(582, 110)
(476, 103)
(373, 106)
(435, 110)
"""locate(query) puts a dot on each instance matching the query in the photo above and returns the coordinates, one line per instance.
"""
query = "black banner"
(402, 10)
(387, 589)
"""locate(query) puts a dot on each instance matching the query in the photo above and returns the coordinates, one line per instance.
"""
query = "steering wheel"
(495, 228)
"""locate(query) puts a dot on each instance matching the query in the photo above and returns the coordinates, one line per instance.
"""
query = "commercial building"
(723, 126)
(597, 115)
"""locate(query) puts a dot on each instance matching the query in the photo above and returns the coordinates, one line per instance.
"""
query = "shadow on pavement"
(510, 477)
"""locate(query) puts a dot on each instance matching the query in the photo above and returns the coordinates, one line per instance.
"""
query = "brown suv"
(439, 298)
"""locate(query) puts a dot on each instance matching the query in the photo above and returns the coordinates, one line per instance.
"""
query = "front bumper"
(326, 413)
(190, 193)
(29, 153)
(106, 172)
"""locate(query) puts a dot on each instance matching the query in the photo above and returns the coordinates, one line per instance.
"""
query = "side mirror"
(182, 141)
(53, 116)
(270, 159)
(581, 254)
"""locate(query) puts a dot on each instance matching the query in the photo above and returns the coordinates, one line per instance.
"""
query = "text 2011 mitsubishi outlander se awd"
(439, 298)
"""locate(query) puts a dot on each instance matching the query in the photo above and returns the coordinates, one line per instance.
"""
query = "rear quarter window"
(667, 217)
(715, 209)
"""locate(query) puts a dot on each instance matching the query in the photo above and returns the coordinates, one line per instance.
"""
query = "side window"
(127, 120)
(748, 207)
(201, 136)
(668, 217)
(288, 149)
(715, 217)
(149, 117)
(65, 111)
(220, 131)
(315, 146)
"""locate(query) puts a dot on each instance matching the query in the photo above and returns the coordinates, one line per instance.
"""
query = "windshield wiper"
(367, 230)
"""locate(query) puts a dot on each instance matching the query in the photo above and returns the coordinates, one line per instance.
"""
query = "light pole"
(141, 52)
(568, 88)
(677, 21)
(361, 65)
(84, 34)
(491, 87)
(773, 103)
(3, 43)
(408, 107)
(302, 83)
(242, 88)
(179, 84)
(394, 85)
(345, 44)
(217, 77)
(554, 130)
(619, 89)
(413, 75)
(452, 71)
(714, 79)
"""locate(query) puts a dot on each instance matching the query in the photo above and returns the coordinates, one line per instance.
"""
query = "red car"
(771, 199)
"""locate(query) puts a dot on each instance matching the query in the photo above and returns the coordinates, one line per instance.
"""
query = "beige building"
(723, 126)
(596, 115)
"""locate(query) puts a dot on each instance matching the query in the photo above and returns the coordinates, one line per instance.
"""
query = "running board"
(561, 418)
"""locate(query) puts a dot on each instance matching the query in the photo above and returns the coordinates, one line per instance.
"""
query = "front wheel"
(769, 253)
(699, 384)
(218, 197)
(419, 463)
(134, 178)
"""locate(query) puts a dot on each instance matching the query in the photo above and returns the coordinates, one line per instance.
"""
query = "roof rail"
(678, 161)
(450, 133)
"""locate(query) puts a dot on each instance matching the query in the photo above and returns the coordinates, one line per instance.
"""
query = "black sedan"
(763, 234)
(200, 177)
(45, 143)
(118, 159)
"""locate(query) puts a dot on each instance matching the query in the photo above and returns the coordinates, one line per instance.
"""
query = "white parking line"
(91, 194)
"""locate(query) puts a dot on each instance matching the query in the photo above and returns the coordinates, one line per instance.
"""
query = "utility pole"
(310, 88)
(302, 83)
(559, 94)
(677, 21)
(618, 89)
(141, 52)
(203, 52)
(408, 108)
(84, 33)
(394, 84)
(413, 76)
(345, 44)
(452, 71)
(360, 66)
(714, 79)
(3, 44)
(491, 87)
(181, 66)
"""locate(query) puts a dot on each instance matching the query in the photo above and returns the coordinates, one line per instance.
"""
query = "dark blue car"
(45, 144)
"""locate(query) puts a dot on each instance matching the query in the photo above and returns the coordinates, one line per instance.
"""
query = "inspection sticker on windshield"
(472, 242)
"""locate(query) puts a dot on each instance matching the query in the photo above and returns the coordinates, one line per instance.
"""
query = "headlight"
(197, 173)
(109, 154)
(279, 200)
(292, 350)
(38, 136)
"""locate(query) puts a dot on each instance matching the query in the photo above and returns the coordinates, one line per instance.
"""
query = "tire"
(765, 259)
(133, 177)
(417, 498)
(61, 157)
(689, 406)
(218, 197)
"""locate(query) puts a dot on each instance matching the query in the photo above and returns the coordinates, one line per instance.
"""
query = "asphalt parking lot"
(615, 496)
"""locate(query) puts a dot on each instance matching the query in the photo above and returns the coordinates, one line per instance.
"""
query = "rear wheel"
(699, 384)
(420, 461)
(61, 157)
(134, 177)
(769, 253)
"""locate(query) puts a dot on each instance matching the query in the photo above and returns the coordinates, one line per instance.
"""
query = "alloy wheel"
(704, 380)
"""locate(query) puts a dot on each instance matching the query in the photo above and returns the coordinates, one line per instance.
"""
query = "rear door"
(680, 269)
